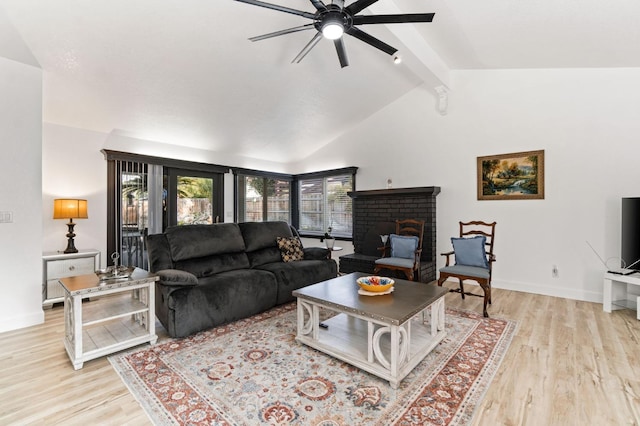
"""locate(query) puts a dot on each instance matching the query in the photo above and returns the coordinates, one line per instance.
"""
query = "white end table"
(615, 293)
(109, 324)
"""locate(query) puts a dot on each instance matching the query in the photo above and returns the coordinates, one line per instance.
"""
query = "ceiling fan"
(333, 20)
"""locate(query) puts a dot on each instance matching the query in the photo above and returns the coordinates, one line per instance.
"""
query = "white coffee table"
(108, 324)
(386, 335)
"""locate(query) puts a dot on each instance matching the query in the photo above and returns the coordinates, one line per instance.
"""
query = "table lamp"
(70, 209)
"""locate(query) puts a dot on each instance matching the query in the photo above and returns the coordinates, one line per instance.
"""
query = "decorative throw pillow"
(290, 248)
(403, 246)
(470, 251)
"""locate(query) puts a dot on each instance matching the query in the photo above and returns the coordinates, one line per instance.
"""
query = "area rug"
(253, 372)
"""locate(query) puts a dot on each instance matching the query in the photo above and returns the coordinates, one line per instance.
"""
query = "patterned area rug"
(253, 372)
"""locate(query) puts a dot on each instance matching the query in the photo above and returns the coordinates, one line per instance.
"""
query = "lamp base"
(71, 247)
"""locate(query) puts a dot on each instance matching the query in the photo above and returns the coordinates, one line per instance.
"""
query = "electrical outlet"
(554, 271)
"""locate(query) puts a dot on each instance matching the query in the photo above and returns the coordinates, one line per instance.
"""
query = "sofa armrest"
(176, 277)
(316, 253)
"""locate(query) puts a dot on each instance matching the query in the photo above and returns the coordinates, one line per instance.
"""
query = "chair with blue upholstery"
(405, 249)
(473, 253)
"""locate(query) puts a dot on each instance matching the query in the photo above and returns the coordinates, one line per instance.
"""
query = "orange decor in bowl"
(375, 284)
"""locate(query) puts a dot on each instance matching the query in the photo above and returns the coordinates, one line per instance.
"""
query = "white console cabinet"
(621, 292)
(56, 265)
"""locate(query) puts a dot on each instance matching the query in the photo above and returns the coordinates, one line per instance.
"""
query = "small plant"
(327, 235)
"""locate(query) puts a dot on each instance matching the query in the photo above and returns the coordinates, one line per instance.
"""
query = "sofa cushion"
(294, 275)
(260, 241)
(193, 241)
(260, 235)
(290, 248)
(158, 252)
(217, 300)
(209, 265)
(316, 253)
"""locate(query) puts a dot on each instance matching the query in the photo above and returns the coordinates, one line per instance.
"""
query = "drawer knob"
(72, 268)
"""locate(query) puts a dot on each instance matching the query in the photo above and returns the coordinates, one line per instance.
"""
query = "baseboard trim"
(15, 323)
(545, 290)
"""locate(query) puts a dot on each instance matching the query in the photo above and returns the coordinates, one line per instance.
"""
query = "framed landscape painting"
(517, 176)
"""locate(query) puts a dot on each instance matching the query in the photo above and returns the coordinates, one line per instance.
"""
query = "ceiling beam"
(429, 67)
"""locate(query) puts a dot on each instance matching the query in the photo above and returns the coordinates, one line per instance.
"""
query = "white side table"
(109, 324)
(615, 293)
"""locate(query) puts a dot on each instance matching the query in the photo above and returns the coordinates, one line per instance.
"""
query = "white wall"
(74, 167)
(20, 193)
(585, 120)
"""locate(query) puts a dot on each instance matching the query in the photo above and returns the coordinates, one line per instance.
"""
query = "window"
(263, 198)
(193, 197)
(324, 203)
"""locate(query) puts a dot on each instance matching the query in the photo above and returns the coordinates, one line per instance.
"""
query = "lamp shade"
(69, 209)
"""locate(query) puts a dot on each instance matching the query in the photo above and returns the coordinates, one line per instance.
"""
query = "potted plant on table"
(329, 240)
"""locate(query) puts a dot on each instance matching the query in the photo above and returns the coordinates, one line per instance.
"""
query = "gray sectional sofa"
(214, 274)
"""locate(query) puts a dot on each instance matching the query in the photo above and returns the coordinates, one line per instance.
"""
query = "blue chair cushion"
(470, 271)
(403, 246)
(395, 261)
(470, 251)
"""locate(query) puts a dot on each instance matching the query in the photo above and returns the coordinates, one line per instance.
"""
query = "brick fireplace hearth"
(375, 213)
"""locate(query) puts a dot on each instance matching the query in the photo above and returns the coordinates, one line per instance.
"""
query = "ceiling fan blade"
(316, 38)
(359, 5)
(342, 53)
(282, 32)
(279, 8)
(318, 4)
(371, 40)
(393, 19)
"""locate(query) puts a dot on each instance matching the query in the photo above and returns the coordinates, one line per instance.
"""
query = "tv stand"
(615, 293)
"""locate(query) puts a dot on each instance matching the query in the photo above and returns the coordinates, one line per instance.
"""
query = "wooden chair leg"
(486, 287)
(461, 288)
(484, 307)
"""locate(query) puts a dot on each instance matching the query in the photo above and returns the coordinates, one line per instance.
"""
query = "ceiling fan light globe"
(332, 31)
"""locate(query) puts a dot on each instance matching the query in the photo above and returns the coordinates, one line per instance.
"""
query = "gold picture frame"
(515, 176)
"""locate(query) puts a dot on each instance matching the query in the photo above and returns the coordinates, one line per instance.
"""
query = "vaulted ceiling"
(184, 72)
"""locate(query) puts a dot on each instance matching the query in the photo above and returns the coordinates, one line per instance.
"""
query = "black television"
(631, 232)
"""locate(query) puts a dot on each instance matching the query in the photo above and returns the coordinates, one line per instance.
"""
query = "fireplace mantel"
(426, 190)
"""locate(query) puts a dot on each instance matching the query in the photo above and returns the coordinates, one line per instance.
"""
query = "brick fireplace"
(375, 213)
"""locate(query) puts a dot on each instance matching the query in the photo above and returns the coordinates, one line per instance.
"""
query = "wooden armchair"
(404, 249)
(473, 253)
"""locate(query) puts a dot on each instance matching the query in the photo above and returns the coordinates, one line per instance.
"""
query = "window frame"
(324, 175)
(294, 192)
(240, 174)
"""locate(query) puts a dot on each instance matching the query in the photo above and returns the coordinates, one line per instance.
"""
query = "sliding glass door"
(147, 194)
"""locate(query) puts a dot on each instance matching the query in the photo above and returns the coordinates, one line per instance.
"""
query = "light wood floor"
(569, 364)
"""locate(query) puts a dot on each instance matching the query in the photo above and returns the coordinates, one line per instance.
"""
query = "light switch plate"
(6, 217)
